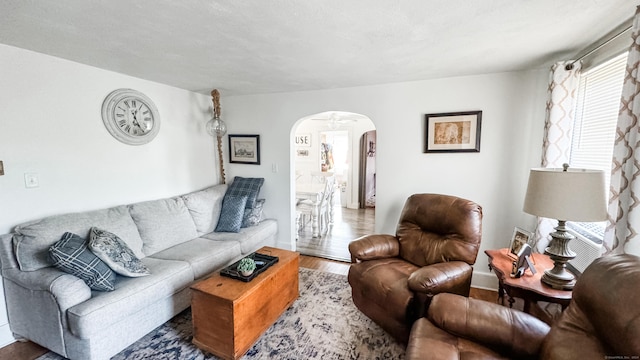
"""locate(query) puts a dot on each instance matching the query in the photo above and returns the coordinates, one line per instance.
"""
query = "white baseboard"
(6, 336)
(484, 280)
(353, 205)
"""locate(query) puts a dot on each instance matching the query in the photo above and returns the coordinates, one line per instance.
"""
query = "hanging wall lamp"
(216, 127)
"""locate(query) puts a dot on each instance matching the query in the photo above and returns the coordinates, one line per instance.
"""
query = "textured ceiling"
(258, 46)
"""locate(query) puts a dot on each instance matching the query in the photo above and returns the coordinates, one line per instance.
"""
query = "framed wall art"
(453, 132)
(244, 149)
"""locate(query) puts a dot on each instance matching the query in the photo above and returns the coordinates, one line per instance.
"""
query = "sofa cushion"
(33, 239)
(204, 207)
(72, 255)
(204, 255)
(116, 254)
(252, 216)
(131, 295)
(246, 186)
(250, 238)
(231, 214)
(163, 223)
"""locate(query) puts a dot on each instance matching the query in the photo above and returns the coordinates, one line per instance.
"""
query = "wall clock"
(130, 116)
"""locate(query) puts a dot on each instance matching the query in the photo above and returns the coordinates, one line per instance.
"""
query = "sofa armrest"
(502, 329)
(452, 276)
(67, 290)
(371, 247)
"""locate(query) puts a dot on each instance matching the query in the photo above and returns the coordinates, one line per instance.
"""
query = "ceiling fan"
(335, 119)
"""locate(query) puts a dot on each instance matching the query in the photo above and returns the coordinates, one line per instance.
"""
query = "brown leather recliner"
(601, 322)
(394, 277)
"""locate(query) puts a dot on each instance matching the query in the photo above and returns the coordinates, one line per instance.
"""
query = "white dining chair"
(324, 215)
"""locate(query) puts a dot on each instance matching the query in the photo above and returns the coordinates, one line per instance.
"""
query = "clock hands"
(135, 122)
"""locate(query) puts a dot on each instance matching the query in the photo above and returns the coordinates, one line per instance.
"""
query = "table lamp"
(566, 195)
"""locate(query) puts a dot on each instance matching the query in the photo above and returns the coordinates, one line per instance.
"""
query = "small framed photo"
(453, 132)
(519, 238)
(244, 149)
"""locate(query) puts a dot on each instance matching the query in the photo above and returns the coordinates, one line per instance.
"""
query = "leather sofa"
(436, 243)
(601, 322)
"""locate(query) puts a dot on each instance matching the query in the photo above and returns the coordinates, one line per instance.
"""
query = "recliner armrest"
(505, 330)
(441, 277)
(377, 246)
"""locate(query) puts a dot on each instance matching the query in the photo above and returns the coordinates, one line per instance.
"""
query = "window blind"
(596, 116)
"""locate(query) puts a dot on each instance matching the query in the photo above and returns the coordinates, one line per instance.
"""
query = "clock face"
(130, 116)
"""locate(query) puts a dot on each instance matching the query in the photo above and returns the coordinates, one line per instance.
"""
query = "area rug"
(322, 323)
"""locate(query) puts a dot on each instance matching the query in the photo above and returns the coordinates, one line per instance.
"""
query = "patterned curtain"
(621, 235)
(556, 145)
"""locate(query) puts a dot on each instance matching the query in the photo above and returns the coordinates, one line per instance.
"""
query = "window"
(596, 115)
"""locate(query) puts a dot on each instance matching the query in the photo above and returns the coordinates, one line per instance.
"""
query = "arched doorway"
(329, 145)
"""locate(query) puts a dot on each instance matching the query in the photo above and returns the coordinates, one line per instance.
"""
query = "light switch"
(1, 168)
(274, 167)
(31, 180)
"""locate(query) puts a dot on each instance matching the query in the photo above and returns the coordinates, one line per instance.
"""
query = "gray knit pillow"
(231, 214)
(72, 255)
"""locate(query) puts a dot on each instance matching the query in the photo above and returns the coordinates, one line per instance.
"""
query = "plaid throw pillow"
(72, 255)
(249, 187)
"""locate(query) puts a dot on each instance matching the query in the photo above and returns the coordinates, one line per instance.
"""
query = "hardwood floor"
(317, 263)
(348, 225)
(22, 351)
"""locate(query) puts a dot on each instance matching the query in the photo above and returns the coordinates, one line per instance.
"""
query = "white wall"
(50, 124)
(513, 107)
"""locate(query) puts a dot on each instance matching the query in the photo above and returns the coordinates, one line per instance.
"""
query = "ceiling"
(258, 46)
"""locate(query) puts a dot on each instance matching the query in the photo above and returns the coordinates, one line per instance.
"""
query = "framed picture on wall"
(244, 149)
(453, 132)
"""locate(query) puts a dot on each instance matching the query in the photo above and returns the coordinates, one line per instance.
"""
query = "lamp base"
(555, 283)
(559, 251)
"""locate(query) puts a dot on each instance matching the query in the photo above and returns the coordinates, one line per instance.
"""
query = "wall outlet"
(1, 168)
(31, 180)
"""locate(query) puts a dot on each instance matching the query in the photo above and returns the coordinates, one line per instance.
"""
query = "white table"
(314, 193)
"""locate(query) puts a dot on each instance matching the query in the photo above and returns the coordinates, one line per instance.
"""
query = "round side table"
(527, 287)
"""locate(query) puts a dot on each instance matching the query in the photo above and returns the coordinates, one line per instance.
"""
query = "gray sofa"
(174, 238)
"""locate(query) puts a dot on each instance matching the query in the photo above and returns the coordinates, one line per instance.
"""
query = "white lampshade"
(572, 195)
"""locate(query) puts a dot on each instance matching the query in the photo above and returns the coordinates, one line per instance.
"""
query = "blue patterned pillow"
(72, 255)
(253, 216)
(116, 254)
(245, 186)
(232, 213)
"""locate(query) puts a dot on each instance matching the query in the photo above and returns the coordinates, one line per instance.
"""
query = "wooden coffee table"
(229, 315)
(528, 287)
